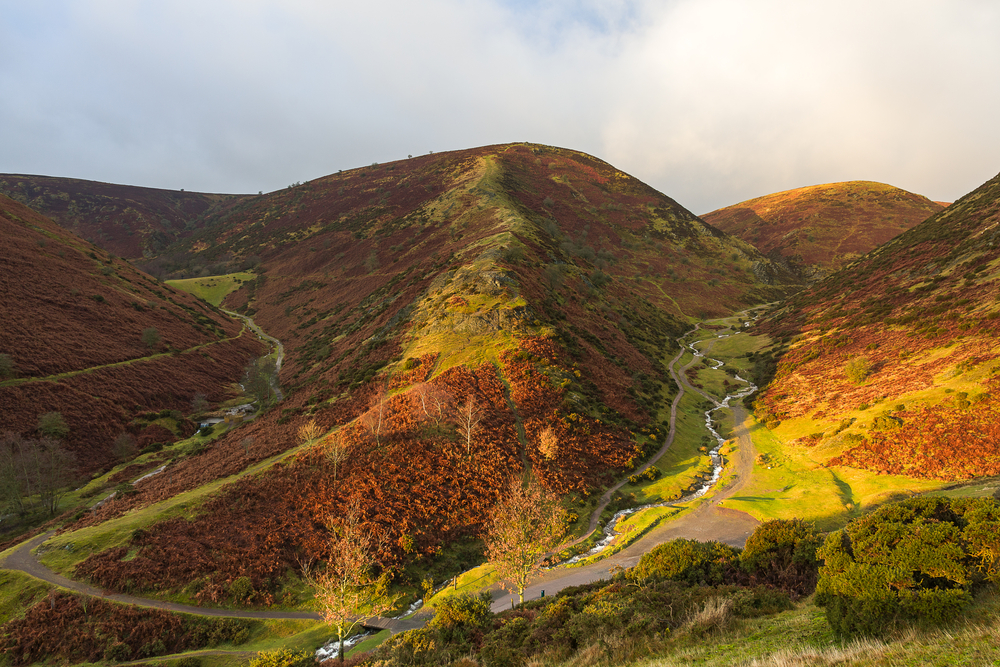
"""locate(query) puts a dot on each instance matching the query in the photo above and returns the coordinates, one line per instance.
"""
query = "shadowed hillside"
(92, 338)
(129, 221)
(892, 362)
(820, 228)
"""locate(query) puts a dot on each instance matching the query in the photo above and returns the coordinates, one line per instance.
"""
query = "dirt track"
(706, 521)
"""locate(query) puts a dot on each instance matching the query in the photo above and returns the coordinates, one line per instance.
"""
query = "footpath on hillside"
(706, 521)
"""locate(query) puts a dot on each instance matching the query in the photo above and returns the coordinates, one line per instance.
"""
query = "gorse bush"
(463, 611)
(782, 553)
(686, 561)
(858, 369)
(915, 562)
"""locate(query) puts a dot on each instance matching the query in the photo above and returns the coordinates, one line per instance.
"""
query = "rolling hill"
(92, 338)
(128, 221)
(891, 363)
(821, 228)
(537, 289)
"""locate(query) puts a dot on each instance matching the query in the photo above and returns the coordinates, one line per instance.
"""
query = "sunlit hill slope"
(892, 362)
(819, 229)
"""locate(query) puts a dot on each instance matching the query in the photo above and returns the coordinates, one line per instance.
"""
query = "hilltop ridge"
(821, 228)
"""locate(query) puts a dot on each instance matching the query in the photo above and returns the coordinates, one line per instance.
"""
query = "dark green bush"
(782, 553)
(914, 562)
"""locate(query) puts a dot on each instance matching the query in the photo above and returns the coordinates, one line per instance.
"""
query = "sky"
(712, 102)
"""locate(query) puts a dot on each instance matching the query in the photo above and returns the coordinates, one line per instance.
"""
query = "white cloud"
(710, 101)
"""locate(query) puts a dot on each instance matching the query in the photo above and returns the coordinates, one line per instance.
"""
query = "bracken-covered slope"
(73, 321)
(539, 288)
(820, 228)
(893, 362)
(129, 221)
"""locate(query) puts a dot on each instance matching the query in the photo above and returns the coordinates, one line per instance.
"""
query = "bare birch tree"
(467, 418)
(335, 448)
(527, 524)
(347, 590)
(309, 431)
(431, 401)
(378, 414)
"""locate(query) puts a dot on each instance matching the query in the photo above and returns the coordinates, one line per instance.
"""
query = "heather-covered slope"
(540, 286)
(892, 362)
(74, 319)
(128, 221)
(820, 228)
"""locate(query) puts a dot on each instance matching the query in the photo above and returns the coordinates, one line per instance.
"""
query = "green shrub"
(916, 561)
(463, 611)
(686, 561)
(782, 553)
(118, 652)
(241, 589)
(283, 658)
(858, 369)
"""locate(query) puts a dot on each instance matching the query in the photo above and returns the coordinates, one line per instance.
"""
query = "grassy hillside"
(821, 228)
(88, 336)
(125, 220)
(541, 286)
(891, 365)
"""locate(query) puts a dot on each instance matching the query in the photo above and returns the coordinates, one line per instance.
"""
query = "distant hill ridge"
(74, 327)
(820, 228)
(129, 221)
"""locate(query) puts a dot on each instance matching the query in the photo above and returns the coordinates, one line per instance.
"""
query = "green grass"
(803, 637)
(18, 592)
(369, 644)
(212, 289)
(683, 461)
(791, 483)
(117, 532)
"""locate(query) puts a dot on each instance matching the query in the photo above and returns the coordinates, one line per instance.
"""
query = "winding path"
(705, 521)
(22, 559)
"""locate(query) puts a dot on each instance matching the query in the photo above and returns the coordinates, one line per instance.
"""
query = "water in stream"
(717, 463)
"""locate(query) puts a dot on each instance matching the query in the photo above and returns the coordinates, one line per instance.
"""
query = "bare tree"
(309, 431)
(124, 446)
(7, 366)
(431, 401)
(378, 414)
(335, 449)
(467, 418)
(11, 480)
(30, 467)
(528, 523)
(347, 590)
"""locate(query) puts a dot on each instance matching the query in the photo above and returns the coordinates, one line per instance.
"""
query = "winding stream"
(610, 532)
